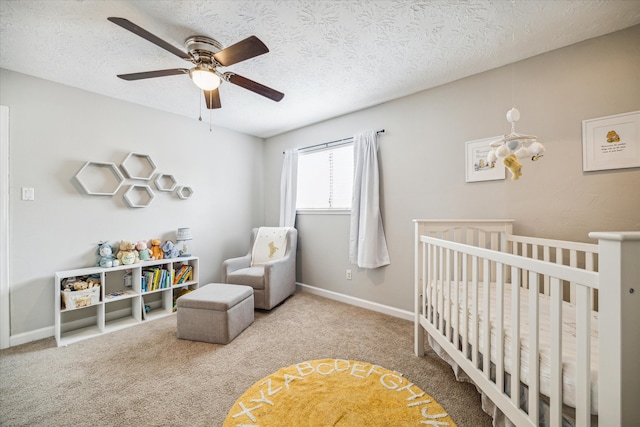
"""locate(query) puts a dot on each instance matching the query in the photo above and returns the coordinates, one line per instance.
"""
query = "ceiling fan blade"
(212, 98)
(128, 25)
(152, 74)
(245, 49)
(254, 87)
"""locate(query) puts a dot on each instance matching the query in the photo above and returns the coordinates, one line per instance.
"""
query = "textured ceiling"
(328, 57)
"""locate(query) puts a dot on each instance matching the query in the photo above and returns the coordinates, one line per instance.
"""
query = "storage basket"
(83, 298)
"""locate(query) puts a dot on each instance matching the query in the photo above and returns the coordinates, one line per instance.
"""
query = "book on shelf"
(144, 311)
(155, 278)
(183, 275)
(179, 277)
(187, 275)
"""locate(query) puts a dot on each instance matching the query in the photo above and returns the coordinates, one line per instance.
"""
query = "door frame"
(5, 306)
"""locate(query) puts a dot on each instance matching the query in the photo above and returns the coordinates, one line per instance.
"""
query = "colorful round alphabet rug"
(335, 392)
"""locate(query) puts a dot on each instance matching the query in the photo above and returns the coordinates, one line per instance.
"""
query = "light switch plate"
(28, 193)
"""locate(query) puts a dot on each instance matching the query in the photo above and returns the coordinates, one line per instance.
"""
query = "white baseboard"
(35, 335)
(49, 331)
(358, 302)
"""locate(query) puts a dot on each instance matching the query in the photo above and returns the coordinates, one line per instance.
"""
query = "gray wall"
(422, 162)
(55, 129)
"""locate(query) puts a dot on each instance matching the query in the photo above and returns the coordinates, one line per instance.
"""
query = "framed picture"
(611, 142)
(478, 168)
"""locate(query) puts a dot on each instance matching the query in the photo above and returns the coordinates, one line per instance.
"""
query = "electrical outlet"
(348, 274)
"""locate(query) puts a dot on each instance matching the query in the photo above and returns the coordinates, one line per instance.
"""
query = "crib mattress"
(568, 337)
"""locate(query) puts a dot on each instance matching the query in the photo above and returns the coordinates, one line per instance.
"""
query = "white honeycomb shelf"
(100, 178)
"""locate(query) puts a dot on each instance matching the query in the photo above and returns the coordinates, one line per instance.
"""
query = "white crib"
(574, 308)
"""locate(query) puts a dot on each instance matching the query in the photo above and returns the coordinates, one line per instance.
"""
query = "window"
(325, 178)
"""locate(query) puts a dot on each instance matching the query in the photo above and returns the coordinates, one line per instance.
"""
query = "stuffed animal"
(170, 251)
(536, 150)
(514, 166)
(127, 254)
(156, 250)
(106, 257)
(143, 252)
(81, 285)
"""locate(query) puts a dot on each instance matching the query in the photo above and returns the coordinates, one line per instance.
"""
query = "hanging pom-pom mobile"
(514, 146)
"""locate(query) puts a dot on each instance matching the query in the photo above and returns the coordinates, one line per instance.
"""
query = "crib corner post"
(418, 331)
(619, 319)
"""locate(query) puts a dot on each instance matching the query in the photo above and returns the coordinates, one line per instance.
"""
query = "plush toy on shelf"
(106, 257)
(128, 254)
(156, 250)
(143, 252)
(170, 251)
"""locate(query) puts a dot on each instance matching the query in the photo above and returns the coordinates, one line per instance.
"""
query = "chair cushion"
(215, 296)
(252, 276)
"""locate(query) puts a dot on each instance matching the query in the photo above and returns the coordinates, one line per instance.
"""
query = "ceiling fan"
(207, 55)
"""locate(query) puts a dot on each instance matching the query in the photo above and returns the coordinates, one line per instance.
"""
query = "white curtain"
(288, 188)
(367, 244)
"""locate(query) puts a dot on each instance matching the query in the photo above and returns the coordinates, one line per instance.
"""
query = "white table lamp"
(184, 235)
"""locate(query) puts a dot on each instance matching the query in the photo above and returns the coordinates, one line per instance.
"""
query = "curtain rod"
(326, 144)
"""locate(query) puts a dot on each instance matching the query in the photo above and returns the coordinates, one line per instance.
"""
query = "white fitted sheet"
(568, 338)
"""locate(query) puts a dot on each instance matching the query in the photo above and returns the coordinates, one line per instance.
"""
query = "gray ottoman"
(215, 313)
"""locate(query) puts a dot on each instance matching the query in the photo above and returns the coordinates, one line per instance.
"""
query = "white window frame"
(324, 210)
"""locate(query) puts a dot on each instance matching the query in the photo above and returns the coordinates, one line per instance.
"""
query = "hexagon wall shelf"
(139, 166)
(106, 179)
(185, 192)
(165, 182)
(100, 178)
(139, 196)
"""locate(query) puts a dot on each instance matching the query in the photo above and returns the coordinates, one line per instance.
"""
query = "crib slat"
(573, 262)
(500, 326)
(427, 275)
(590, 259)
(515, 336)
(465, 305)
(583, 362)
(555, 393)
(474, 317)
(447, 296)
(534, 348)
(426, 297)
(525, 253)
(486, 357)
(440, 310)
(455, 316)
(546, 257)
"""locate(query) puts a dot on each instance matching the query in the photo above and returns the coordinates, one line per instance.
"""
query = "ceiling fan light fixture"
(204, 78)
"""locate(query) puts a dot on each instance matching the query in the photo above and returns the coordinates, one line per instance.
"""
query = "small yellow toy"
(514, 166)
(156, 250)
(128, 254)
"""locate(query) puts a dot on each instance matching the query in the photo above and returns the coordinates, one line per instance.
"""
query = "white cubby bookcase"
(127, 308)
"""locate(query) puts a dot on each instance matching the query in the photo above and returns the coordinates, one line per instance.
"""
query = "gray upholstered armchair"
(273, 281)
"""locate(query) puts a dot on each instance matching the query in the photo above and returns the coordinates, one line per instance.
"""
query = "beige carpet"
(144, 375)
